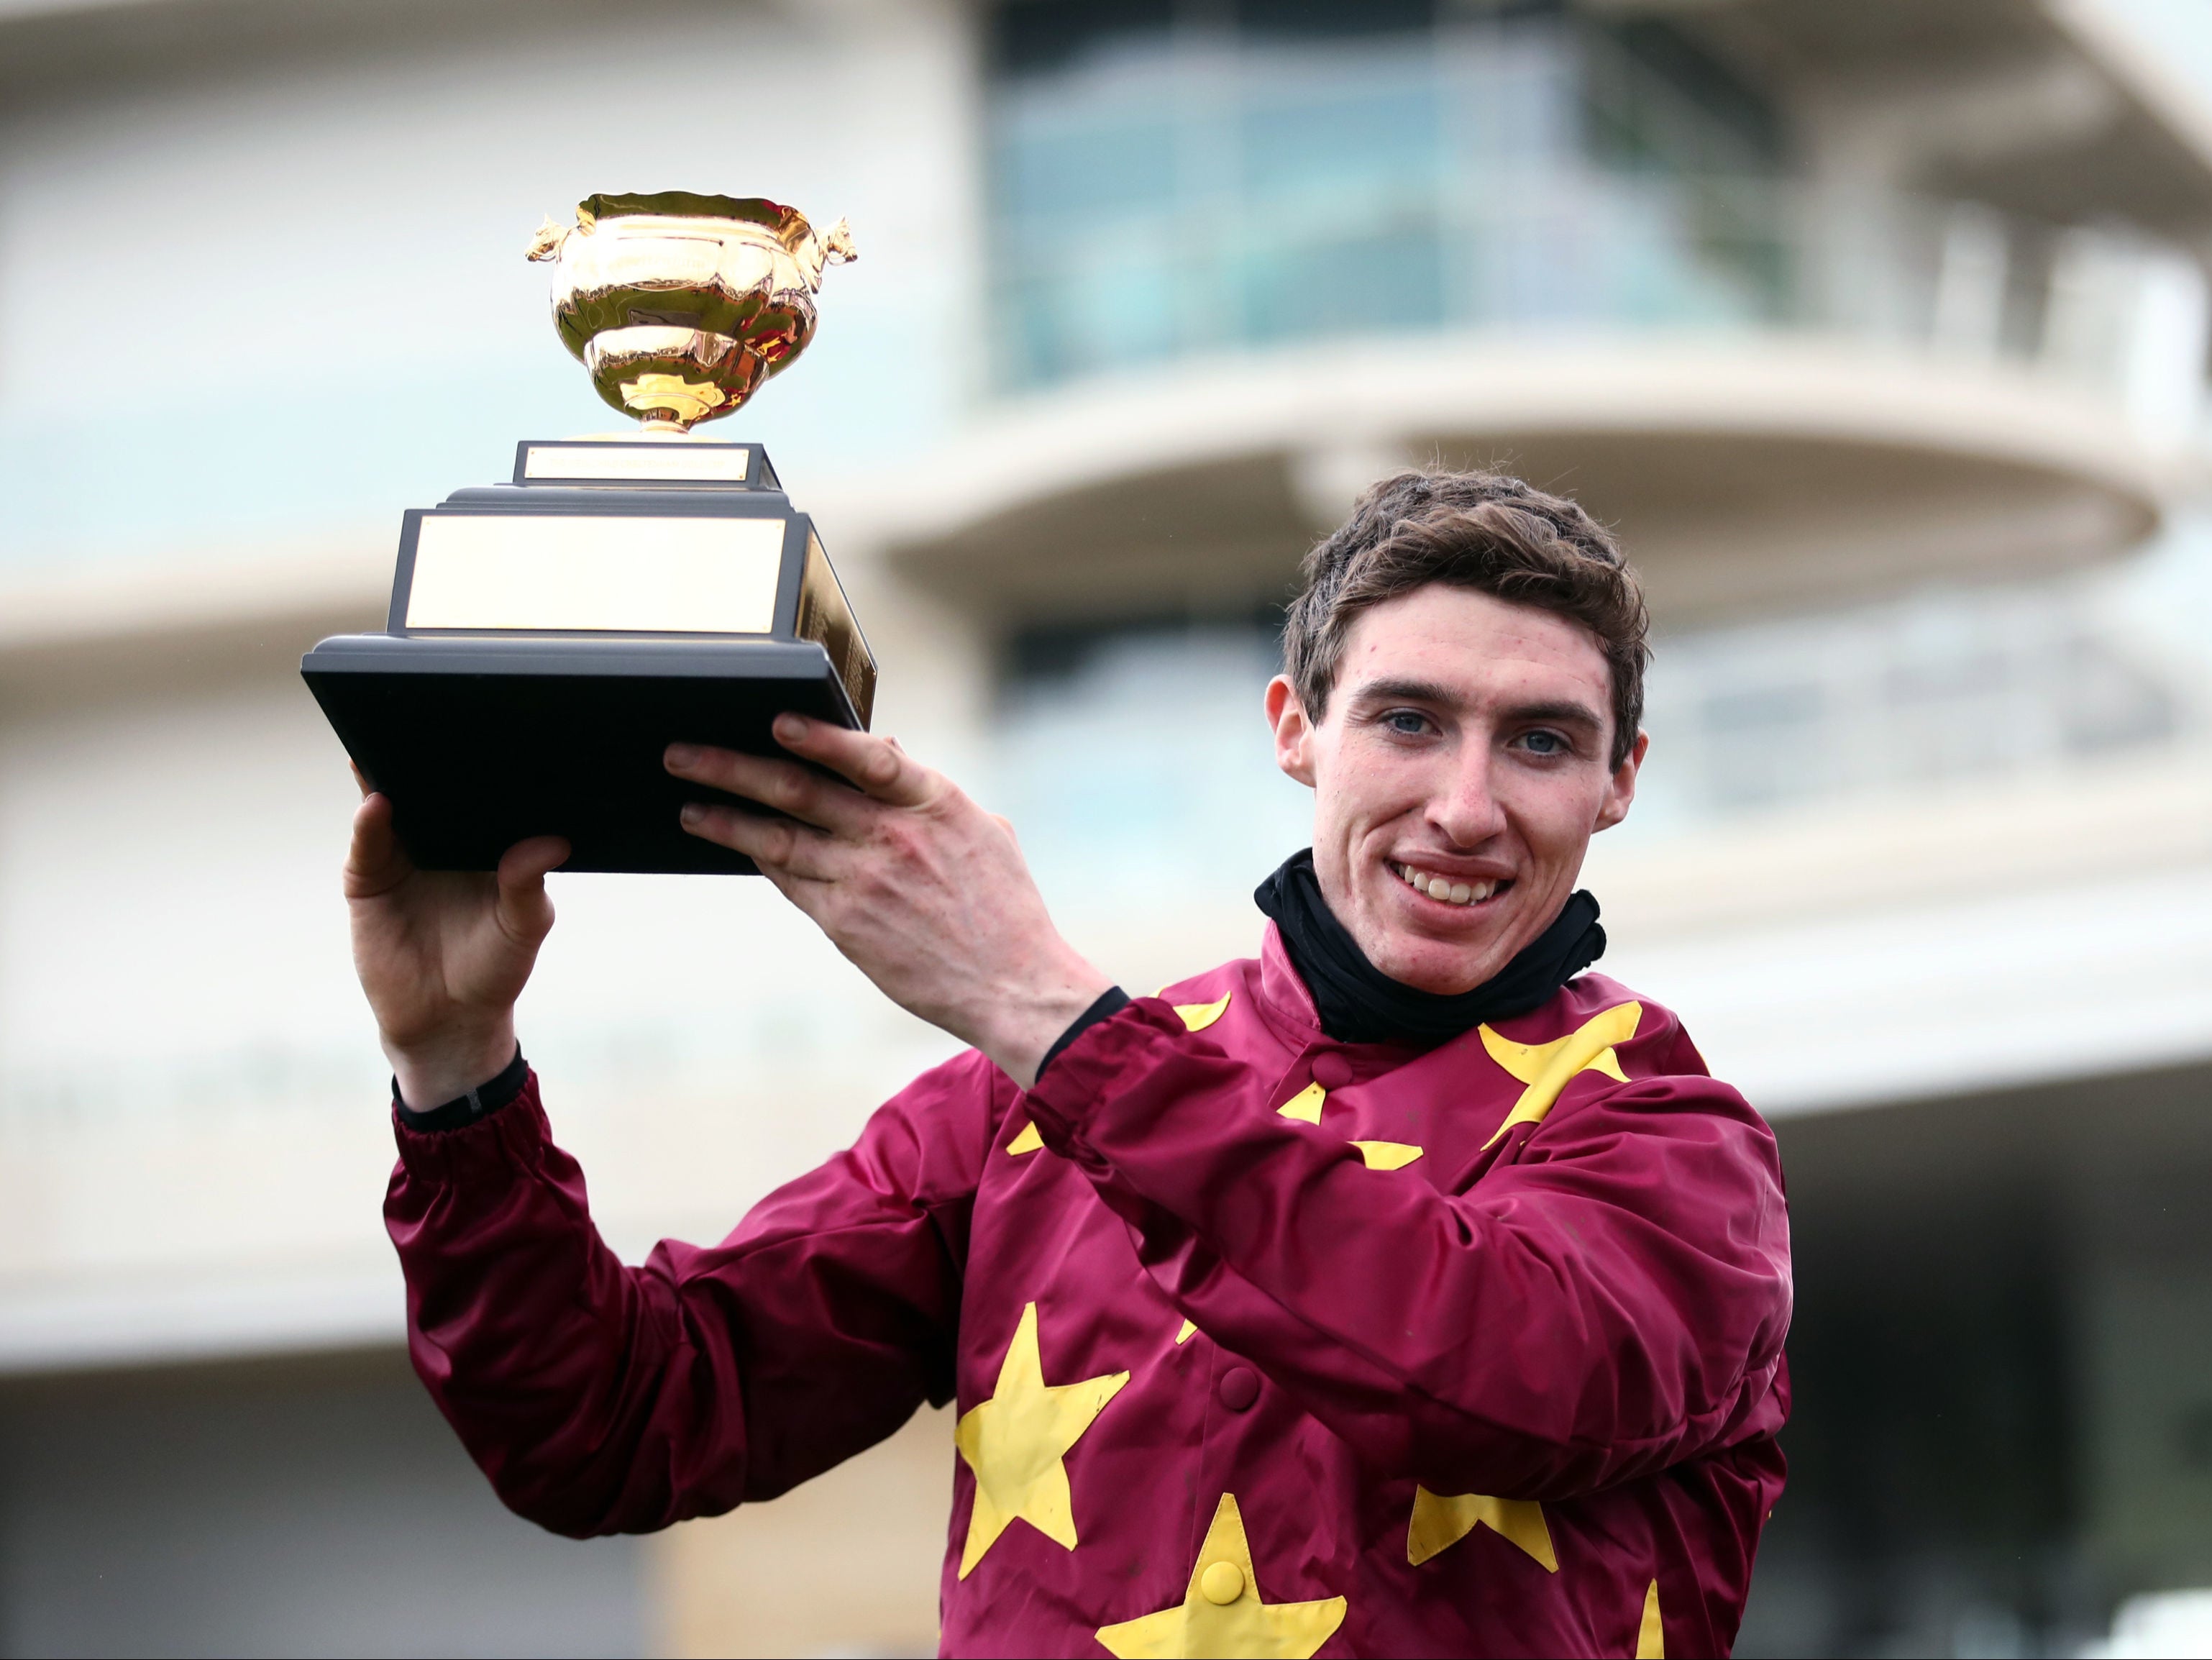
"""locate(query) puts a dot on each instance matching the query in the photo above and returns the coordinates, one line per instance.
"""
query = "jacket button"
(1240, 1387)
(1331, 1070)
(1222, 1583)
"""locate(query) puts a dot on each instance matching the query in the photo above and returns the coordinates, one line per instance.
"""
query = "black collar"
(1360, 1004)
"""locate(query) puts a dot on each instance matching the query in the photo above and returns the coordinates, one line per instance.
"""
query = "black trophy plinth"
(548, 639)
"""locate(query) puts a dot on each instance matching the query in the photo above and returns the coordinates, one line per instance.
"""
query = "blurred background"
(1879, 330)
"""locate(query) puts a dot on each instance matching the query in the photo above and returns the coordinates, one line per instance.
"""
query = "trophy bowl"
(679, 306)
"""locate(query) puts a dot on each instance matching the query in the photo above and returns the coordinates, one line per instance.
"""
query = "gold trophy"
(549, 637)
(680, 305)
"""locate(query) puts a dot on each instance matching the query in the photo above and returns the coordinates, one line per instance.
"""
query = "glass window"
(1039, 37)
(1330, 19)
(1172, 179)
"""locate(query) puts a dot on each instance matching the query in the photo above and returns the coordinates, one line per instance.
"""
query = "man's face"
(1458, 775)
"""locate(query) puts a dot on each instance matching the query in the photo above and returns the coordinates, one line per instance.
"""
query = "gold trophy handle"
(831, 247)
(545, 241)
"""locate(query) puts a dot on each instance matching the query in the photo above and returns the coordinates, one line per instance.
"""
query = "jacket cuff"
(465, 1110)
(499, 1143)
(1085, 1074)
(1111, 1001)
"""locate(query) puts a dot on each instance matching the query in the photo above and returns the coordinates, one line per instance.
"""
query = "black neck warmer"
(1360, 1004)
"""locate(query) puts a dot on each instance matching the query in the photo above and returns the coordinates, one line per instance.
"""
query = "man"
(1404, 1290)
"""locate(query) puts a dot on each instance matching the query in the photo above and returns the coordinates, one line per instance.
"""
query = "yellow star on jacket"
(1548, 1068)
(1441, 1521)
(1651, 1630)
(1199, 1016)
(1221, 1613)
(1015, 1443)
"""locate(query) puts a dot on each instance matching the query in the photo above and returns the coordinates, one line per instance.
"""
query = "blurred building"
(1880, 332)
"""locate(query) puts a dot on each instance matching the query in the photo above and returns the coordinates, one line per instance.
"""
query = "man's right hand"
(444, 954)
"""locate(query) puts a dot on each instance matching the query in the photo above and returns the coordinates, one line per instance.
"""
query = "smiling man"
(1404, 1290)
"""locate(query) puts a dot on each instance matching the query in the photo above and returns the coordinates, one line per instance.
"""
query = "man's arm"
(1609, 1303)
(600, 1398)
(924, 890)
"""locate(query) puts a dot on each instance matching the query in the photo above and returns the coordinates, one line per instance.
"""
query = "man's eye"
(1544, 743)
(1409, 721)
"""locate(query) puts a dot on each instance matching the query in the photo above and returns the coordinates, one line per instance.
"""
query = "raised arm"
(600, 1398)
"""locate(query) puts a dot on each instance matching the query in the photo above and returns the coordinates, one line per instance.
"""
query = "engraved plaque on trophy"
(549, 637)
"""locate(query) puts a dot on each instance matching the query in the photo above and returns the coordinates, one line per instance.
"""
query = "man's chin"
(1445, 966)
(1435, 946)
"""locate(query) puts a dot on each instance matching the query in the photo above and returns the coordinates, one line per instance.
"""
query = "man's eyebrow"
(1560, 712)
(1409, 691)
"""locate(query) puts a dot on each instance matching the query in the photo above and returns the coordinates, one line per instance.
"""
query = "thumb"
(526, 911)
(376, 863)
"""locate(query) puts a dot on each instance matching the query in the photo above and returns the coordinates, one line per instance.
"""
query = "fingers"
(376, 863)
(528, 863)
(773, 844)
(784, 785)
(876, 765)
(526, 911)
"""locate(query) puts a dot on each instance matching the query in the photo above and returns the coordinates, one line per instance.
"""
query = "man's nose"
(1466, 812)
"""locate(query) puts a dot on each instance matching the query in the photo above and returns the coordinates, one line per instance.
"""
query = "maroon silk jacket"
(1262, 1344)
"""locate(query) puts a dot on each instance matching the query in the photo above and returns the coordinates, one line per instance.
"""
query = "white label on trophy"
(653, 463)
(595, 576)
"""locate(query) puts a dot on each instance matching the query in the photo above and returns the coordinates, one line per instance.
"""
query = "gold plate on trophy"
(825, 618)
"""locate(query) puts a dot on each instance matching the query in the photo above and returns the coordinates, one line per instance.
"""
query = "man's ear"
(1620, 788)
(1293, 733)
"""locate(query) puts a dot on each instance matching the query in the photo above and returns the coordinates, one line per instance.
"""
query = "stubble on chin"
(1445, 963)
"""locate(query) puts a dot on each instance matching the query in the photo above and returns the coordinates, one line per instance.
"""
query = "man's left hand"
(924, 890)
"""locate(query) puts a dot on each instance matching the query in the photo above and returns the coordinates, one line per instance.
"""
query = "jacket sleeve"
(1611, 1302)
(603, 1399)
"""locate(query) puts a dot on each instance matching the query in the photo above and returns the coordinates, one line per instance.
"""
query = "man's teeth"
(1439, 887)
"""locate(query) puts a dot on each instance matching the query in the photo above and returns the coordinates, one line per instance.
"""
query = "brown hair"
(1472, 530)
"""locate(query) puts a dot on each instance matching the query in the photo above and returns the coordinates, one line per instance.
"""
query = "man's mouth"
(1450, 890)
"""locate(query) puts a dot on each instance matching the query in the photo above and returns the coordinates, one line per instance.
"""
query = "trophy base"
(483, 742)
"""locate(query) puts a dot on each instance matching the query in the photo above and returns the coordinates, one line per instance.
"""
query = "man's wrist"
(427, 1075)
(1108, 1003)
(1029, 1028)
(471, 1107)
